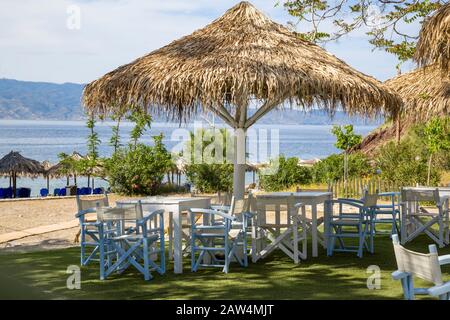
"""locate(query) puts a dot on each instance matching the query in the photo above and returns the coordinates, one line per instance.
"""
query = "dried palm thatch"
(434, 40)
(424, 92)
(15, 163)
(241, 56)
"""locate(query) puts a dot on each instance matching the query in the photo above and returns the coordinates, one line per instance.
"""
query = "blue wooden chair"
(43, 192)
(390, 213)
(62, 192)
(91, 234)
(141, 246)
(217, 239)
(426, 266)
(351, 225)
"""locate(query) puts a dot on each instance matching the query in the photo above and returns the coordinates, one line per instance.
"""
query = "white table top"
(304, 194)
(162, 200)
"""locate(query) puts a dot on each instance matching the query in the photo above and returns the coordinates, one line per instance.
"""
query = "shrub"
(284, 173)
(209, 173)
(405, 163)
(139, 169)
(332, 167)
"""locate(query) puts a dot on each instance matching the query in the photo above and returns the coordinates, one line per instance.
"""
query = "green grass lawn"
(343, 276)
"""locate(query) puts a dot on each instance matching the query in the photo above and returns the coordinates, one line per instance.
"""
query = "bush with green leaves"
(208, 171)
(138, 169)
(405, 163)
(284, 173)
(332, 167)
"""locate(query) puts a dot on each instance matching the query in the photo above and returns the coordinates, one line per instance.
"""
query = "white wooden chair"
(426, 266)
(417, 219)
(289, 235)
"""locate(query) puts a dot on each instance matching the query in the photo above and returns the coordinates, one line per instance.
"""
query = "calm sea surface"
(44, 140)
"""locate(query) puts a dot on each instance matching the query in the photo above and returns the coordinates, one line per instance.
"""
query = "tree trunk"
(429, 169)
(239, 164)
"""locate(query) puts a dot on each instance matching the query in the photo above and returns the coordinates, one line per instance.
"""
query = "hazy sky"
(40, 39)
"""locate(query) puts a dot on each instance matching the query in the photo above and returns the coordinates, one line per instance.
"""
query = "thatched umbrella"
(433, 46)
(425, 93)
(241, 57)
(14, 165)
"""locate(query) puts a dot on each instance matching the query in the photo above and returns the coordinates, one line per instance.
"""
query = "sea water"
(44, 140)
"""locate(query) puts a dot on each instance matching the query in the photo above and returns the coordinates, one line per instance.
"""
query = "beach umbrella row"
(240, 59)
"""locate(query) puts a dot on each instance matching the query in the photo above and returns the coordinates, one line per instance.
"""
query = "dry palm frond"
(434, 40)
(14, 162)
(424, 92)
(242, 55)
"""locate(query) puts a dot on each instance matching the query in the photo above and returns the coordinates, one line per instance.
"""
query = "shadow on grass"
(342, 276)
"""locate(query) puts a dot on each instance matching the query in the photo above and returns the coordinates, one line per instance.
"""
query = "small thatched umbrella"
(433, 46)
(242, 56)
(425, 93)
(15, 165)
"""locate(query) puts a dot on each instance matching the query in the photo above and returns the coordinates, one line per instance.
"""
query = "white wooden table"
(308, 198)
(173, 206)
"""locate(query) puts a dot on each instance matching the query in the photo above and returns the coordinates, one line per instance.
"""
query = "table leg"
(314, 230)
(327, 212)
(177, 243)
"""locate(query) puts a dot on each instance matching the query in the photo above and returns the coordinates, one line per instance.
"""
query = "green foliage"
(208, 167)
(332, 168)
(387, 23)
(68, 164)
(284, 173)
(138, 169)
(142, 121)
(405, 163)
(345, 137)
(115, 137)
(92, 141)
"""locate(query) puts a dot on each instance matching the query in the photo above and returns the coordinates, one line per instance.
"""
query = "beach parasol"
(15, 165)
(241, 58)
(433, 46)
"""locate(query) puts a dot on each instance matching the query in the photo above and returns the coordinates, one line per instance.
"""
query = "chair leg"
(82, 247)
(146, 262)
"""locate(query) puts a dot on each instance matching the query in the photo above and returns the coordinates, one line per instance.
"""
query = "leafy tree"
(437, 139)
(386, 22)
(332, 167)
(115, 137)
(93, 140)
(405, 163)
(345, 139)
(208, 170)
(284, 173)
(142, 121)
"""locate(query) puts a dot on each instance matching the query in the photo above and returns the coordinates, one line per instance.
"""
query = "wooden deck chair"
(218, 238)
(426, 266)
(416, 219)
(140, 247)
(351, 225)
(89, 227)
(284, 234)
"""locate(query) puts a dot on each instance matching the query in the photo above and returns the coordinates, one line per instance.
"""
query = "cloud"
(37, 45)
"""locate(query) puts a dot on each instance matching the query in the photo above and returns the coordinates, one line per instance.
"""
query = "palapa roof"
(14, 162)
(434, 40)
(239, 57)
(424, 91)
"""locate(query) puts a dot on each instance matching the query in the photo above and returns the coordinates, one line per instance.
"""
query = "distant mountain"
(50, 101)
